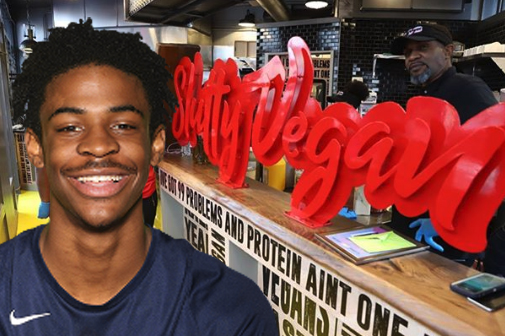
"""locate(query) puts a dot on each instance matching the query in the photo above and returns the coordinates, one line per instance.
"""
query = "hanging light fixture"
(316, 4)
(27, 45)
(248, 21)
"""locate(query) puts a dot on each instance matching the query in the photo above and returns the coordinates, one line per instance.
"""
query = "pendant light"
(27, 45)
(248, 21)
(316, 4)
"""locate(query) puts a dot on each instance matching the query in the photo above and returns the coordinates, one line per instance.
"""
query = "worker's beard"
(422, 78)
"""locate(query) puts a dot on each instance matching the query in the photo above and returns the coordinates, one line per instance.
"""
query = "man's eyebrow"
(126, 108)
(61, 110)
(74, 110)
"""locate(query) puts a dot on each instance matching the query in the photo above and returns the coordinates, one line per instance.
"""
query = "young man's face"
(96, 145)
(426, 60)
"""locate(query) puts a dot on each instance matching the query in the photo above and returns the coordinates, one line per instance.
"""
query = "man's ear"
(34, 148)
(449, 50)
(158, 145)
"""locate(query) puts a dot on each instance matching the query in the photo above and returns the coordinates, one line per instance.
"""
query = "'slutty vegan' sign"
(421, 159)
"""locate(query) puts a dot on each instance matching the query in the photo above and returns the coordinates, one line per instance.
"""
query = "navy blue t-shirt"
(178, 291)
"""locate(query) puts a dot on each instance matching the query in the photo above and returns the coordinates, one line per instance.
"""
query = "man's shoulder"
(473, 86)
(168, 244)
(201, 266)
(222, 298)
(14, 248)
(23, 240)
(6, 253)
(216, 295)
(468, 94)
(461, 81)
(466, 77)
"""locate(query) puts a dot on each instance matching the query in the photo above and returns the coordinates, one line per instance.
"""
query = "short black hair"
(80, 44)
(354, 93)
(357, 88)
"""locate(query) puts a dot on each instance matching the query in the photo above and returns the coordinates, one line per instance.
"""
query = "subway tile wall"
(355, 41)
(488, 33)
(319, 37)
(485, 68)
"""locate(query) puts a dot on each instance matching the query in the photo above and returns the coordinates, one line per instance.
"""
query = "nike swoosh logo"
(15, 321)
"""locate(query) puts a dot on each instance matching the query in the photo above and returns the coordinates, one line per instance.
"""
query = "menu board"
(323, 65)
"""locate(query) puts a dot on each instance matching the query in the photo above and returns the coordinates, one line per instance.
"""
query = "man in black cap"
(428, 58)
(353, 94)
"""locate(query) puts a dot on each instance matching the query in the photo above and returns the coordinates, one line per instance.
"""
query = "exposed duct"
(275, 8)
(173, 12)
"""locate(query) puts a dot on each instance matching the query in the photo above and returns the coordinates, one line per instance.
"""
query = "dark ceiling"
(32, 3)
(182, 12)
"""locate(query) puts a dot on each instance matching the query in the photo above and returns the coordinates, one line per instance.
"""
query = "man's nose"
(99, 142)
(413, 54)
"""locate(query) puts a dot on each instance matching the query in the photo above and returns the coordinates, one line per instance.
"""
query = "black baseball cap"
(422, 32)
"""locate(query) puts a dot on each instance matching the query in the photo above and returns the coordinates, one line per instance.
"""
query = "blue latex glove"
(43, 210)
(426, 229)
(345, 212)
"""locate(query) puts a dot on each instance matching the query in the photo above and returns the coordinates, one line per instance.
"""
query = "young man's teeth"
(98, 179)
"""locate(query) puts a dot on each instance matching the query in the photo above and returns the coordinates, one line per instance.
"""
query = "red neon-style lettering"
(420, 160)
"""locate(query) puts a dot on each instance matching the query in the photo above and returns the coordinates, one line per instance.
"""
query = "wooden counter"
(407, 295)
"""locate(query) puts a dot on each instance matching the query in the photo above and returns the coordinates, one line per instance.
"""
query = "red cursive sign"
(420, 160)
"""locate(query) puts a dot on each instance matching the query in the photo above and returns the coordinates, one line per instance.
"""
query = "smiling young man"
(428, 59)
(94, 101)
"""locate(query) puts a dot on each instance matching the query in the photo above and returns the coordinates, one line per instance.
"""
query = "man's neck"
(94, 266)
(436, 76)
